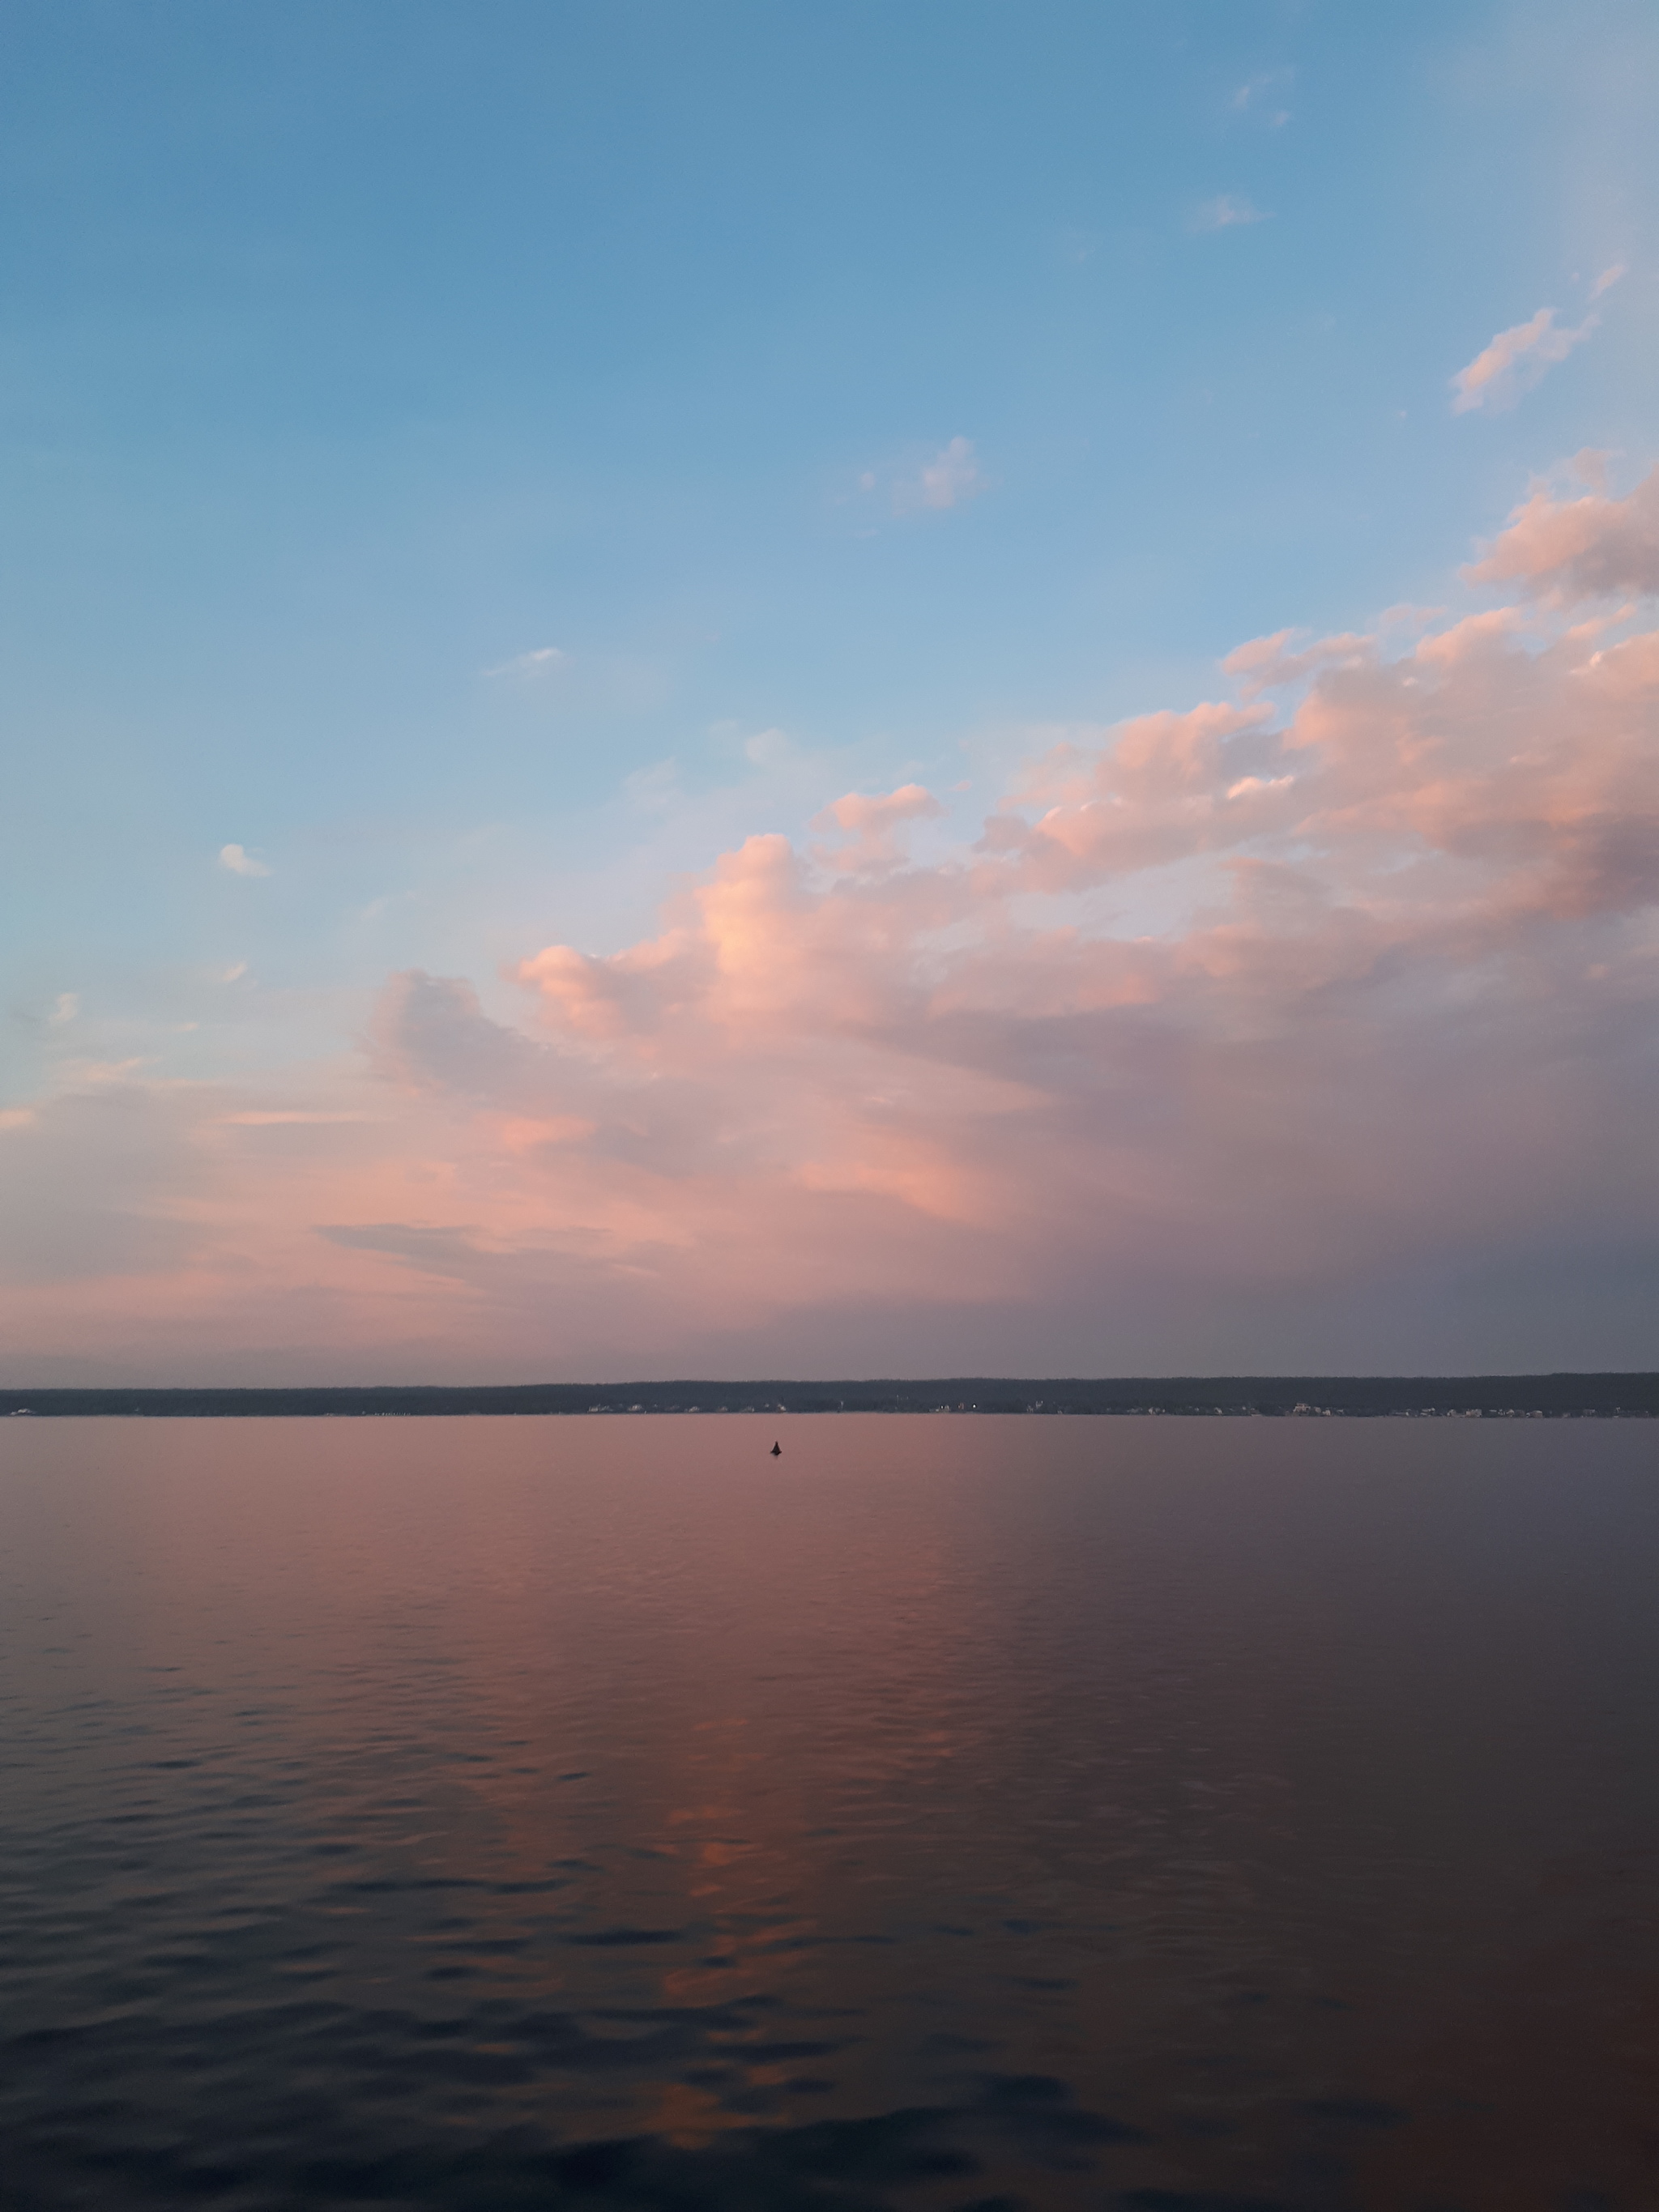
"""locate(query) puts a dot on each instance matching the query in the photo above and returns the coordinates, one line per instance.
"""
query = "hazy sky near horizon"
(866, 688)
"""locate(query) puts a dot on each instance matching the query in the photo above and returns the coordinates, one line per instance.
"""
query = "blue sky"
(350, 358)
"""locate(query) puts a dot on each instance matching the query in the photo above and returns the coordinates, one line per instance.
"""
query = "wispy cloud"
(1227, 213)
(241, 862)
(538, 662)
(654, 790)
(1259, 96)
(1515, 362)
(922, 480)
(768, 748)
(1519, 358)
(68, 1006)
(951, 478)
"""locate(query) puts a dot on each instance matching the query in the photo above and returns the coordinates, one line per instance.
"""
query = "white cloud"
(1608, 278)
(537, 663)
(68, 1006)
(234, 972)
(1225, 213)
(241, 863)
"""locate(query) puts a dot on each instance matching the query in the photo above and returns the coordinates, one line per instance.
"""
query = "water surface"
(1179, 1815)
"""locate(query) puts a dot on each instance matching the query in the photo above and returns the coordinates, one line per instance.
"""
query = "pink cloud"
(874, 826)
(1516, 359)
(1578, 548)
(1373, 1087)
(1266, 664)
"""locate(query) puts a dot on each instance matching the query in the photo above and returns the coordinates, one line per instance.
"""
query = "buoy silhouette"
(777, 1451)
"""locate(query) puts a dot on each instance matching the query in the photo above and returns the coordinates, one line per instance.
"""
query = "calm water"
(1170, 1815)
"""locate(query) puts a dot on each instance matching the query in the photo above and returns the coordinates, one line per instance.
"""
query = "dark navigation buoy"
(777, 1451)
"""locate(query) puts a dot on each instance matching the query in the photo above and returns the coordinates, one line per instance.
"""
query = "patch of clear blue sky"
(349, 352)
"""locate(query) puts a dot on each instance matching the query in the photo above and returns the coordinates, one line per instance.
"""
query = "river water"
(1157, 1815)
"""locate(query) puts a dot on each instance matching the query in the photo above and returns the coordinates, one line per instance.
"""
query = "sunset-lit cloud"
(1520, 357)
(873, 827)
(1578, 548)
(1390, 1020)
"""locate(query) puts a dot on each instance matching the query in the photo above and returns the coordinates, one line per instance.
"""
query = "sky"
(874, 689)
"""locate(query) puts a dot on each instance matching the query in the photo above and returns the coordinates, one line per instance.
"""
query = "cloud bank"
(1312, 1025)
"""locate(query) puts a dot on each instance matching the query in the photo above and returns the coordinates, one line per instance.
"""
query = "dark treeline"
(1489, 1395)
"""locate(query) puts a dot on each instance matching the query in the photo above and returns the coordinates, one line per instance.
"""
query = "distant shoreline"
(1491, 1397)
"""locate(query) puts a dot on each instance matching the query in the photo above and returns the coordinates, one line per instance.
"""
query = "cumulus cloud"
(1571, 549)
(1518, 358)
(1394, 1030)
(1312, 1024)
(241, 862)
(1226, 213)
